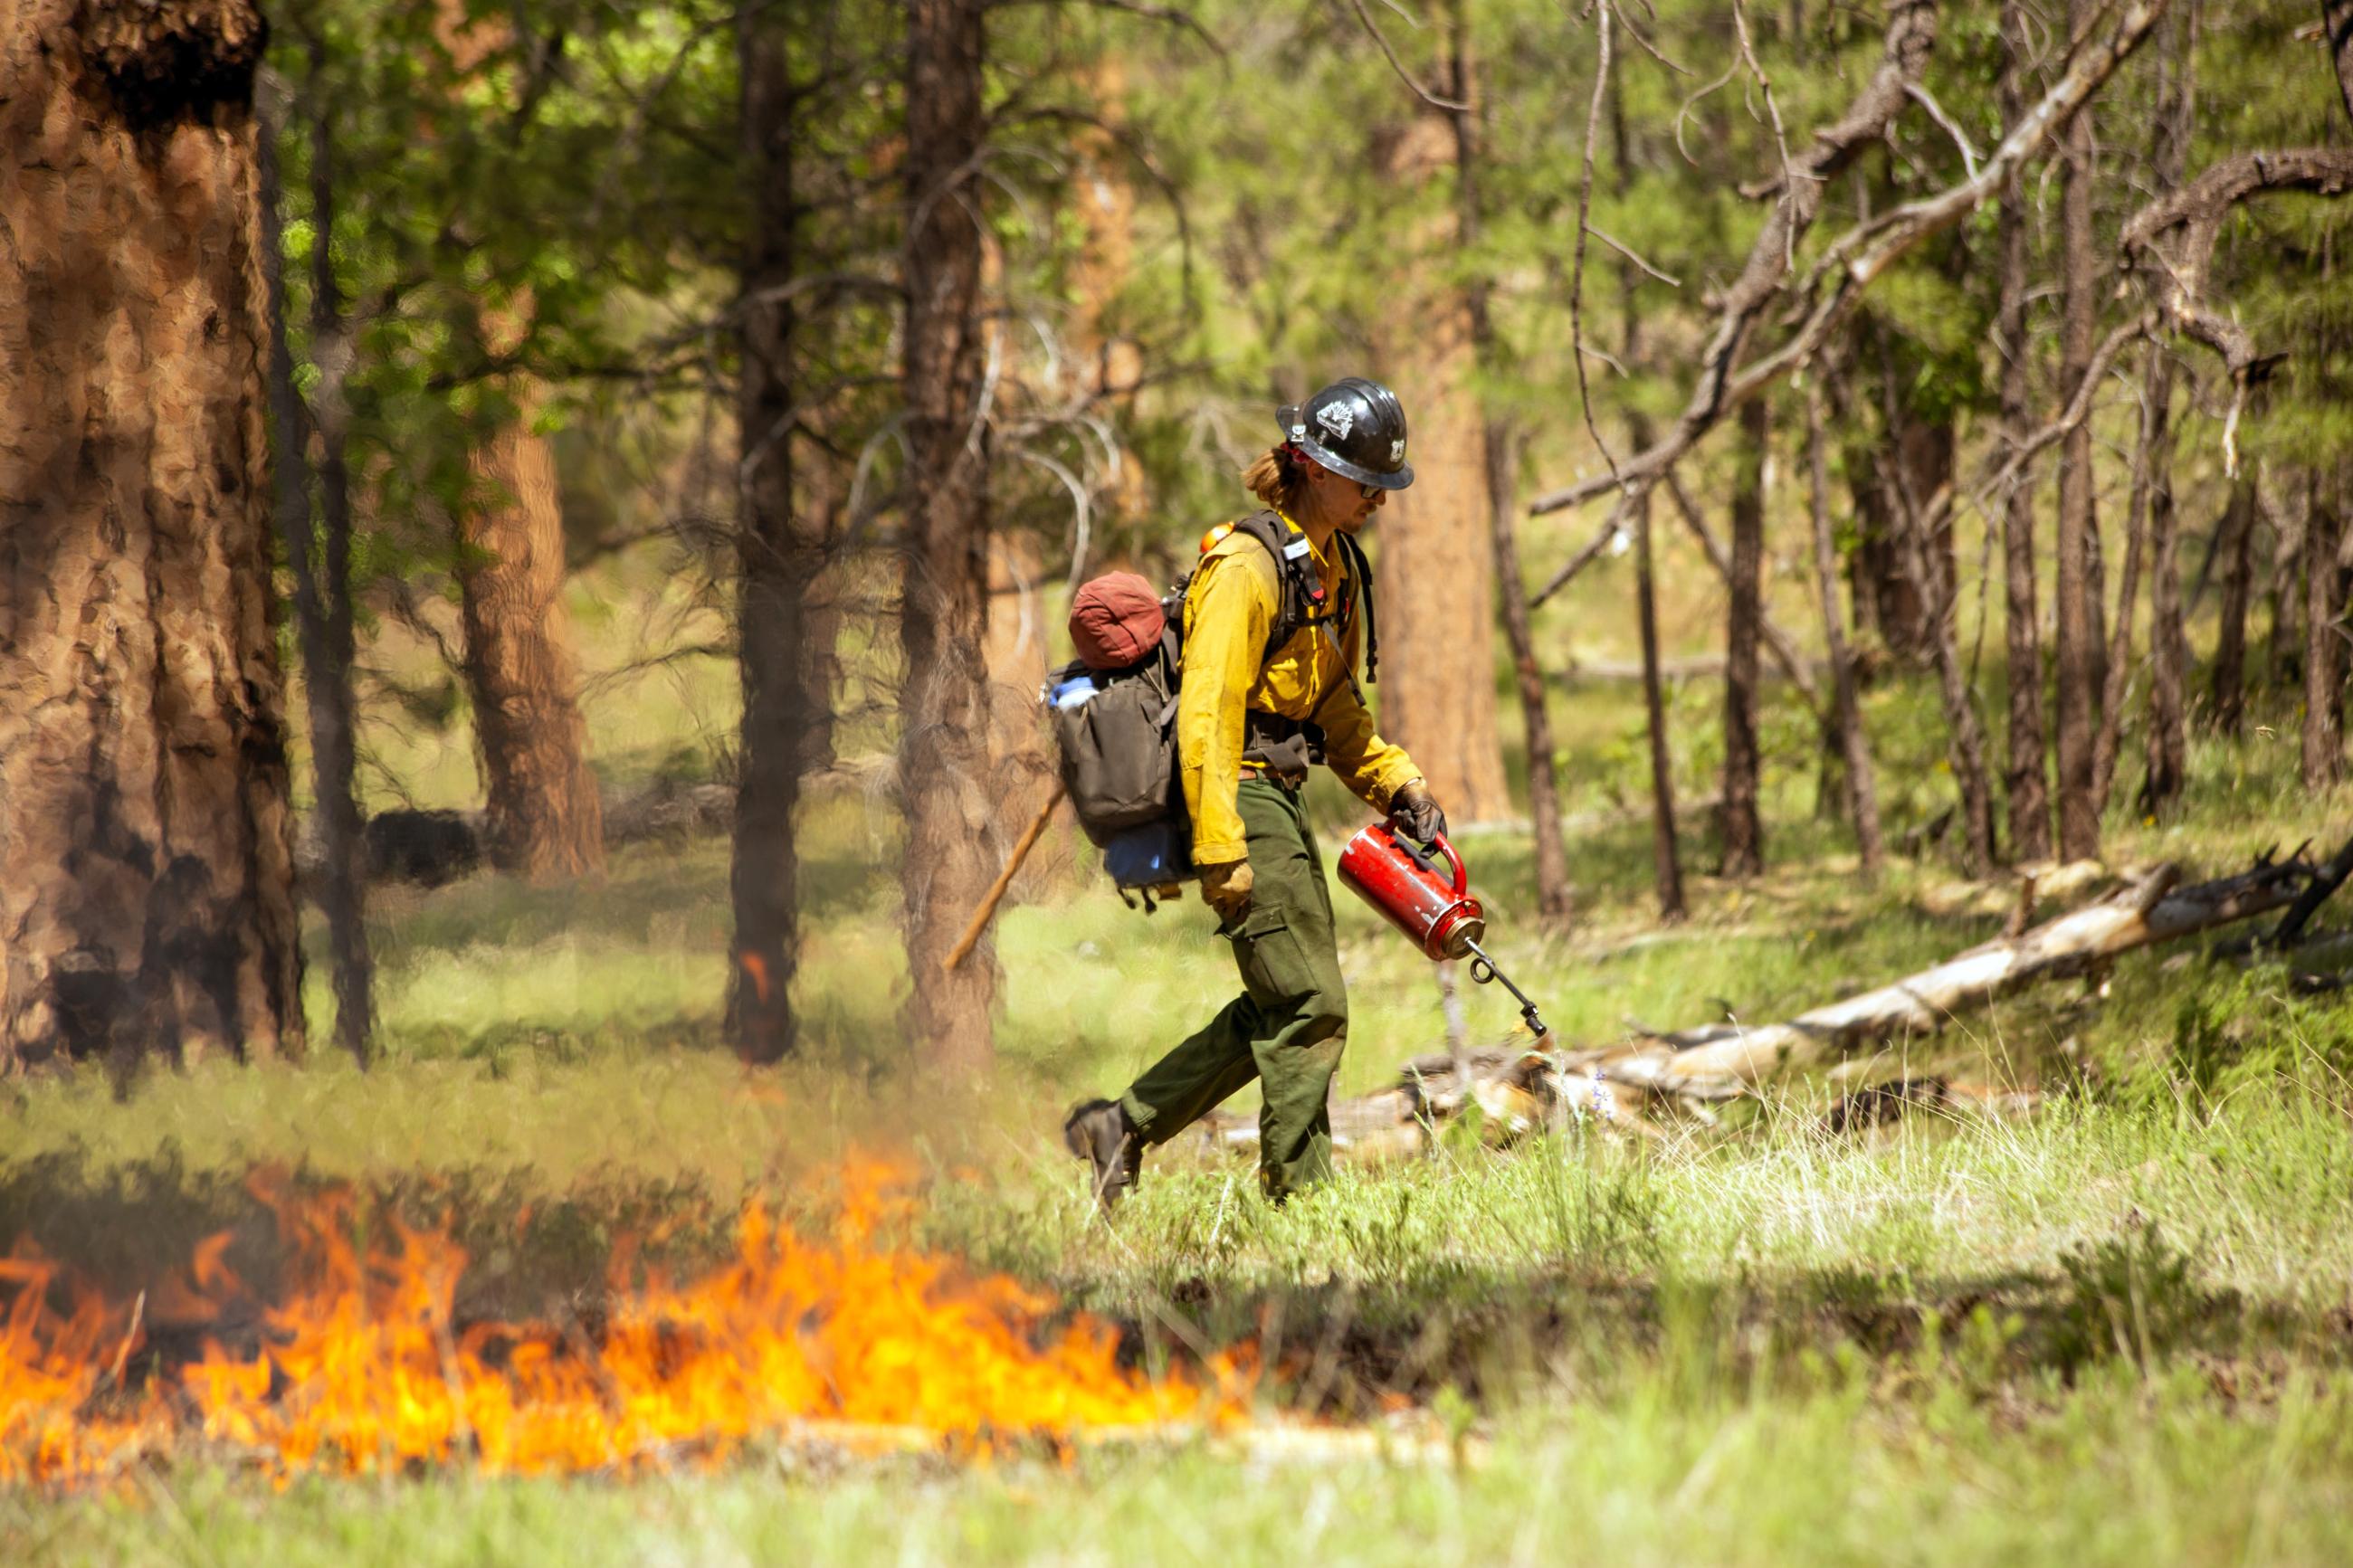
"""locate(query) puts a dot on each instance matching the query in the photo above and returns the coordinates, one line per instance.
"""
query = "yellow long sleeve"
(1230, 612)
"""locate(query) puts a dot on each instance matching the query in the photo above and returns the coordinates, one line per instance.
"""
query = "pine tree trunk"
(323, 587)
(2026, 778)
(952, 814)
(2169, 661)
(2079, 651)
(2152, 471)
(1861, 787)
(2323, 679)
(1437, 688)
(1666, 853)
(1666, 849)
(2283, 597)
(779, 556)
(545, 821)
(2234, 545)
(1743, 832)
(146, 882)
(1554, 904)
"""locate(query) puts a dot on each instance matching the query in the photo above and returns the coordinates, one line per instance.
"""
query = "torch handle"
(1482, 970)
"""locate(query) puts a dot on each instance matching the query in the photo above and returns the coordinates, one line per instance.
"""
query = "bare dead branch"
(1584, 211)
(1397, 65)
(1865, 252)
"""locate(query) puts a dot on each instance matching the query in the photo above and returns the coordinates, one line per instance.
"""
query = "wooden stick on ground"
(1004, 880)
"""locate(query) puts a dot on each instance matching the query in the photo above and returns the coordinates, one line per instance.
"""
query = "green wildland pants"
(1289, 1026)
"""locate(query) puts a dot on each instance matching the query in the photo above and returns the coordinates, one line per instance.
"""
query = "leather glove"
(1226, 888)
(1416, 815)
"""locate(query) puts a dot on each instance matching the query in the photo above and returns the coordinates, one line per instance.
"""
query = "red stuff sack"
(1116, 621)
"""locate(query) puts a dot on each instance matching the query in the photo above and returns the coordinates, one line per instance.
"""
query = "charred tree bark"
(777, 561)
(1743, 832)
(951, 818)
(2026, 778)
(1437, 649)
(146, 868)
(323, 601)
(2324, 743)
(2236, 546)
(1854, 746)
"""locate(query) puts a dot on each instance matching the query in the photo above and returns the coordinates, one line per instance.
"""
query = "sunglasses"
(1370, 492)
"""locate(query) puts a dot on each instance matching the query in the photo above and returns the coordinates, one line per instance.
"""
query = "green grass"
(2114, 1332)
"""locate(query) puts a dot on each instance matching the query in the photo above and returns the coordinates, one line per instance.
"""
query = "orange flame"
(363, 1368)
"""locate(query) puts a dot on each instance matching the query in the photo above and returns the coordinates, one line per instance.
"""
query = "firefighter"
(1251, 718)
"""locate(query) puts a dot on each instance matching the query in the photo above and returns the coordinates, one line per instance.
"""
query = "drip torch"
(1436, 911)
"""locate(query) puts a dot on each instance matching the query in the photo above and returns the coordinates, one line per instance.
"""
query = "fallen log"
(1724, 1061)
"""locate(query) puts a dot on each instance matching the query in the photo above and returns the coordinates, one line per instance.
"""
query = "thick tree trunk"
(1862, 789)
(2323, 665)
(777, 561)
(146, 868)
(2026, 778)
(2235, 544)
(323, 587)
(1742, 831)
(2079, 648)
(952, 813)
(1436, 685)
(545, 820)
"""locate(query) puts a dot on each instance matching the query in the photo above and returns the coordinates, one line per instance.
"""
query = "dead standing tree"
(146, 866)
(1818, 304)
(944, 740)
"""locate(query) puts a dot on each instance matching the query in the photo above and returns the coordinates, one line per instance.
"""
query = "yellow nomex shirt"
(1230, 612)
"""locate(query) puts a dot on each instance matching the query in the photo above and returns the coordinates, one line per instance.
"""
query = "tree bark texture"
(2168, 766)
(951, 813)
(2078, 636)
(2026, 777)
(2283, 659)
(319, 563)
(1743, 832)
(777, 561)
(545, 821)
(2152, 473)
(2324, 743)
(1437, 688)
(2235, 544)
(1846, 701)
(146, 868)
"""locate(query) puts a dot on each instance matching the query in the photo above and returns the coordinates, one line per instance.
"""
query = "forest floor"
(2116, 1330)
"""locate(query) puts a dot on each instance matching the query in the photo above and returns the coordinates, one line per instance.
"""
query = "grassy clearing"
(2115, 1331)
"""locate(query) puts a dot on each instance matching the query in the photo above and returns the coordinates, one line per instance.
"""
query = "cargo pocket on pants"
(1274, 967)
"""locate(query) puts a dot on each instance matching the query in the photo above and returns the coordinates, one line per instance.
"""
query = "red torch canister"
(1434, 909)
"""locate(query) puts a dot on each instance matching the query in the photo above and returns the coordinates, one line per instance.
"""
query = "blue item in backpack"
(1151, 856)
(1071, 693)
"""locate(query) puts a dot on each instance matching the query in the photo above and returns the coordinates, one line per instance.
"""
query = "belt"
(1283, 747)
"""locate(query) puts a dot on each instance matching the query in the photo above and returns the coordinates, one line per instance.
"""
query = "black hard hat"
(1356, 428)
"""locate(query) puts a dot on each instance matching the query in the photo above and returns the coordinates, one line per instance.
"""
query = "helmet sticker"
(1397, 450)
(1336, 418)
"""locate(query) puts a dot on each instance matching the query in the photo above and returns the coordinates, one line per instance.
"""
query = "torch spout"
(1482, 970)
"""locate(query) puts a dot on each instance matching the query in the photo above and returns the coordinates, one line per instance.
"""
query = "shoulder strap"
(1361, 569)
(1300, 592)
